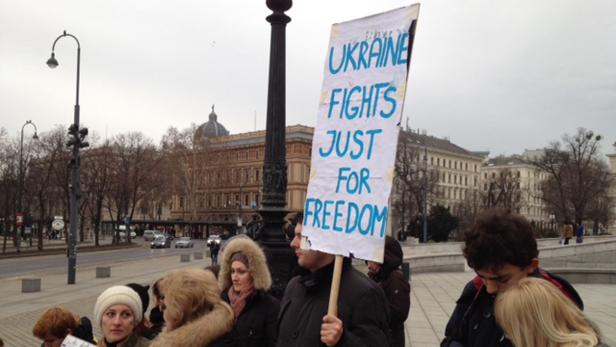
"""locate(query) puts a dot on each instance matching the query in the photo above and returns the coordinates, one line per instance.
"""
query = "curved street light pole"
(19, 227)
(76, 140)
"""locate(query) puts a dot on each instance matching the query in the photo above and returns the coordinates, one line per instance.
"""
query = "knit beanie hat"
(118, 295)
(143, 294)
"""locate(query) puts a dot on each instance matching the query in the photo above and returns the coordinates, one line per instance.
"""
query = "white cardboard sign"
(354, 143)
(72, 341)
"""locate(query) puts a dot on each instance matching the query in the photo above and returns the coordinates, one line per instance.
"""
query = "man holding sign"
(352, 169)
(363, 313)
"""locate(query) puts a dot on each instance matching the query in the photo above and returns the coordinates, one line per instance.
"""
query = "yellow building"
(230, 186)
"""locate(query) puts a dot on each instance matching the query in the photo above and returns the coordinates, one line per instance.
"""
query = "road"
(58, 263)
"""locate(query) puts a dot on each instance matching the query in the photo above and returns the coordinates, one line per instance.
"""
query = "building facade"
(525, 180)
(454, 172)
(230, 187)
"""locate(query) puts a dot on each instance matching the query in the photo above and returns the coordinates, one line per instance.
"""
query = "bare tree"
(51, 153)
(577, 175)
(188, 157)
(503, 191)
(409, 182)
(96, 176)
(9, 162)
(135, 160)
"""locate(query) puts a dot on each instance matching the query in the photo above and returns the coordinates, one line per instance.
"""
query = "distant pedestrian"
(397, 289)
(567, 232)
(534, 313)
(214, 248)
(579, 233)
(56, 323)
(363, 313)
(118, 311)
(193, 311)
(501, 248)
(245, 280)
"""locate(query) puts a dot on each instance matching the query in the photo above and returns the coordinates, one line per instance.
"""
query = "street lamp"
(76, 140)
(19, 224)
(275, 166)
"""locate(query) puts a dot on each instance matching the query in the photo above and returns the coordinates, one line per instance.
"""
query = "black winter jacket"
(396, 288)
(256, 325)
(472, 323)
(362, 307)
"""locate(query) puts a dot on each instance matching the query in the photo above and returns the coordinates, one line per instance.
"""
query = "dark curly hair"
(498, 238)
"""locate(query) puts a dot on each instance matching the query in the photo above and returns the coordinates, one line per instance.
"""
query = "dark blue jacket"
(472, 323)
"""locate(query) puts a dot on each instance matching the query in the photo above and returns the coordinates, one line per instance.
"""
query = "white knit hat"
(118, 295)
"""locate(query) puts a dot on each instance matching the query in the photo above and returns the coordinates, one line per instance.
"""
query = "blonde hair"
(189, 294)
(534, 313)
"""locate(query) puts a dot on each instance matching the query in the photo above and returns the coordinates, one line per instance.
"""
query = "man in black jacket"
(363, 313)
(501, 248)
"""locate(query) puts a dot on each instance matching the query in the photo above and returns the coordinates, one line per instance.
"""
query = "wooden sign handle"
(335, 289)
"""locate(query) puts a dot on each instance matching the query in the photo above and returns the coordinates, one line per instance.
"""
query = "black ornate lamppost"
(76, 140)
(282, 259)
(20, 189)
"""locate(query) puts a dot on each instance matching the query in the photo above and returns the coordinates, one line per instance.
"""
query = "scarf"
(238, 300)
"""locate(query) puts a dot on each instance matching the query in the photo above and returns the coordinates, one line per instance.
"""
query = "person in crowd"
(194, 313)
(119, 312)
(567, 233)
(145, 328)
(363, 313)
(215, 269)
(156, 314)
(396, 288)
(1, 342)
(56, 323)
(245, 280)
(502, 250)
(534, 313)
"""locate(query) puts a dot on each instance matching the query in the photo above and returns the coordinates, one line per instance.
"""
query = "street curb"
(55, 251)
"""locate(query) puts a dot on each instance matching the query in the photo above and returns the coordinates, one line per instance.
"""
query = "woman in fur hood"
(193, 311)
(245, 280)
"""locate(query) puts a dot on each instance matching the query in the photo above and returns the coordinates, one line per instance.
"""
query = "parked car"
(184, 242)
(213, 239)
(160, 241)
(150, 235)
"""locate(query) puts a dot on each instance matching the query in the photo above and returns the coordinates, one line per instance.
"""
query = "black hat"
(143, 294)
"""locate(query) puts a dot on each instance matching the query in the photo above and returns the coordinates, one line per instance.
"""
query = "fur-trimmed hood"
(257, 263)
(202, 331)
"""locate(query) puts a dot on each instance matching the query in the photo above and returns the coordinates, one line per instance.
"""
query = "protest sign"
(355, 139)
(72, 341)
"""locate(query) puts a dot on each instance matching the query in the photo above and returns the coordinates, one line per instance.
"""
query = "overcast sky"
(491, 75)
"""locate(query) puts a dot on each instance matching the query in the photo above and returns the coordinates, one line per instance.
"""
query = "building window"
(438, 161)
